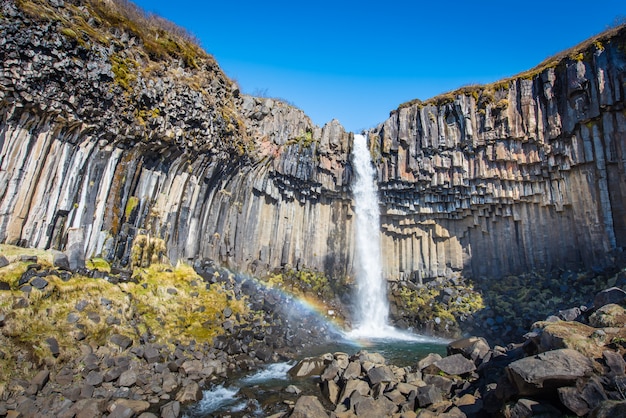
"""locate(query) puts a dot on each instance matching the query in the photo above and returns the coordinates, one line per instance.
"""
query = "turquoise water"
(263, 392)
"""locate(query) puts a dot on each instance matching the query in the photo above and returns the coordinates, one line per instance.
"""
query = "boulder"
(310, 366)
(428, 360)
(527, 408)
(60, 260)
(548, 371)
(330, 390)
(609, 409)
(135, 406)
(354, 385)
(454, 365)
(308, 407)
(380, 374)
(572, 399)
(190, 393)
(3, 261)
(170, 410)
(609, 315)
(428, 395)
(611, 295)
(473, 348)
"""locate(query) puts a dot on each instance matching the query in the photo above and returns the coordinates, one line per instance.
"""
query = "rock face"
(109, 150)
(524, 174)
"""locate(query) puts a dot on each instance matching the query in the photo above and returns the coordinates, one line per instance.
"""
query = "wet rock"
(308, 407)
(548, 371)
(293, 389)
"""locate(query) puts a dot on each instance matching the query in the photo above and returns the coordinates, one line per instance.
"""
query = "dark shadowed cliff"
(112, 130)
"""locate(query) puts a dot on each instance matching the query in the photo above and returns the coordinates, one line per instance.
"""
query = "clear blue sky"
(357, 60)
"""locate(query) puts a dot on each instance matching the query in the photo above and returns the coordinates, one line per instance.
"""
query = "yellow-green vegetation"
(161, 38)
(147, 250)
(124, 71)
(132, 203)
(143, 115)
(175, 305)
(424, 304)
(305, 139)
(169, 303)
(303, 282)
(99, 264)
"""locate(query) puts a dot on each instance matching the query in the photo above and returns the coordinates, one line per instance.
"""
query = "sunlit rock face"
(100, 142)
(525, 174)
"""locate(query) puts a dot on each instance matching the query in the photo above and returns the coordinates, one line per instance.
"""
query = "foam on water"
(276, 371)
(214, 399)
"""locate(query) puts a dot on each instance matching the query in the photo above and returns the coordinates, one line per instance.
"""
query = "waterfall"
(372, 307)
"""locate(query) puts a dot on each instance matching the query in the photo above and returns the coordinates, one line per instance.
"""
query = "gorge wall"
(106, 136)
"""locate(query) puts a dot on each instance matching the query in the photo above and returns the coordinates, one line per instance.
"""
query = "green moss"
(132, 203)
(99, 264)
(124, 71)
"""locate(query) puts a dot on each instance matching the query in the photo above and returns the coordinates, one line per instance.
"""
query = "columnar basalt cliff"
(103, 141)
(110, 131)
(525, 174)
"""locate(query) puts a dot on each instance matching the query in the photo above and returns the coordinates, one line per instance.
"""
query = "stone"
(612, 295)
(375, 408)
(428, 360)
(189, 393)
(473, 348)
(527, 408)
(293, 389)
(608, 315)
(352, 371)
(135, 406)
(609, 409)
(307, 367)
(428, 395)
(41, 379)
(455, 364)
(122, 341)
(352, 386)
(75, 248)
(308, 407)
(380, 374)
(548, 371)
(151, 354)
(331, 391)
(53, 345)
(39, 283)
(128, 378)
(3, 261)
(94, 378)
(60, 260)
(170, 410)
(615, 363)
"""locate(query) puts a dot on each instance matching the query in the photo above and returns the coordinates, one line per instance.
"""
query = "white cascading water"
(372, 307)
